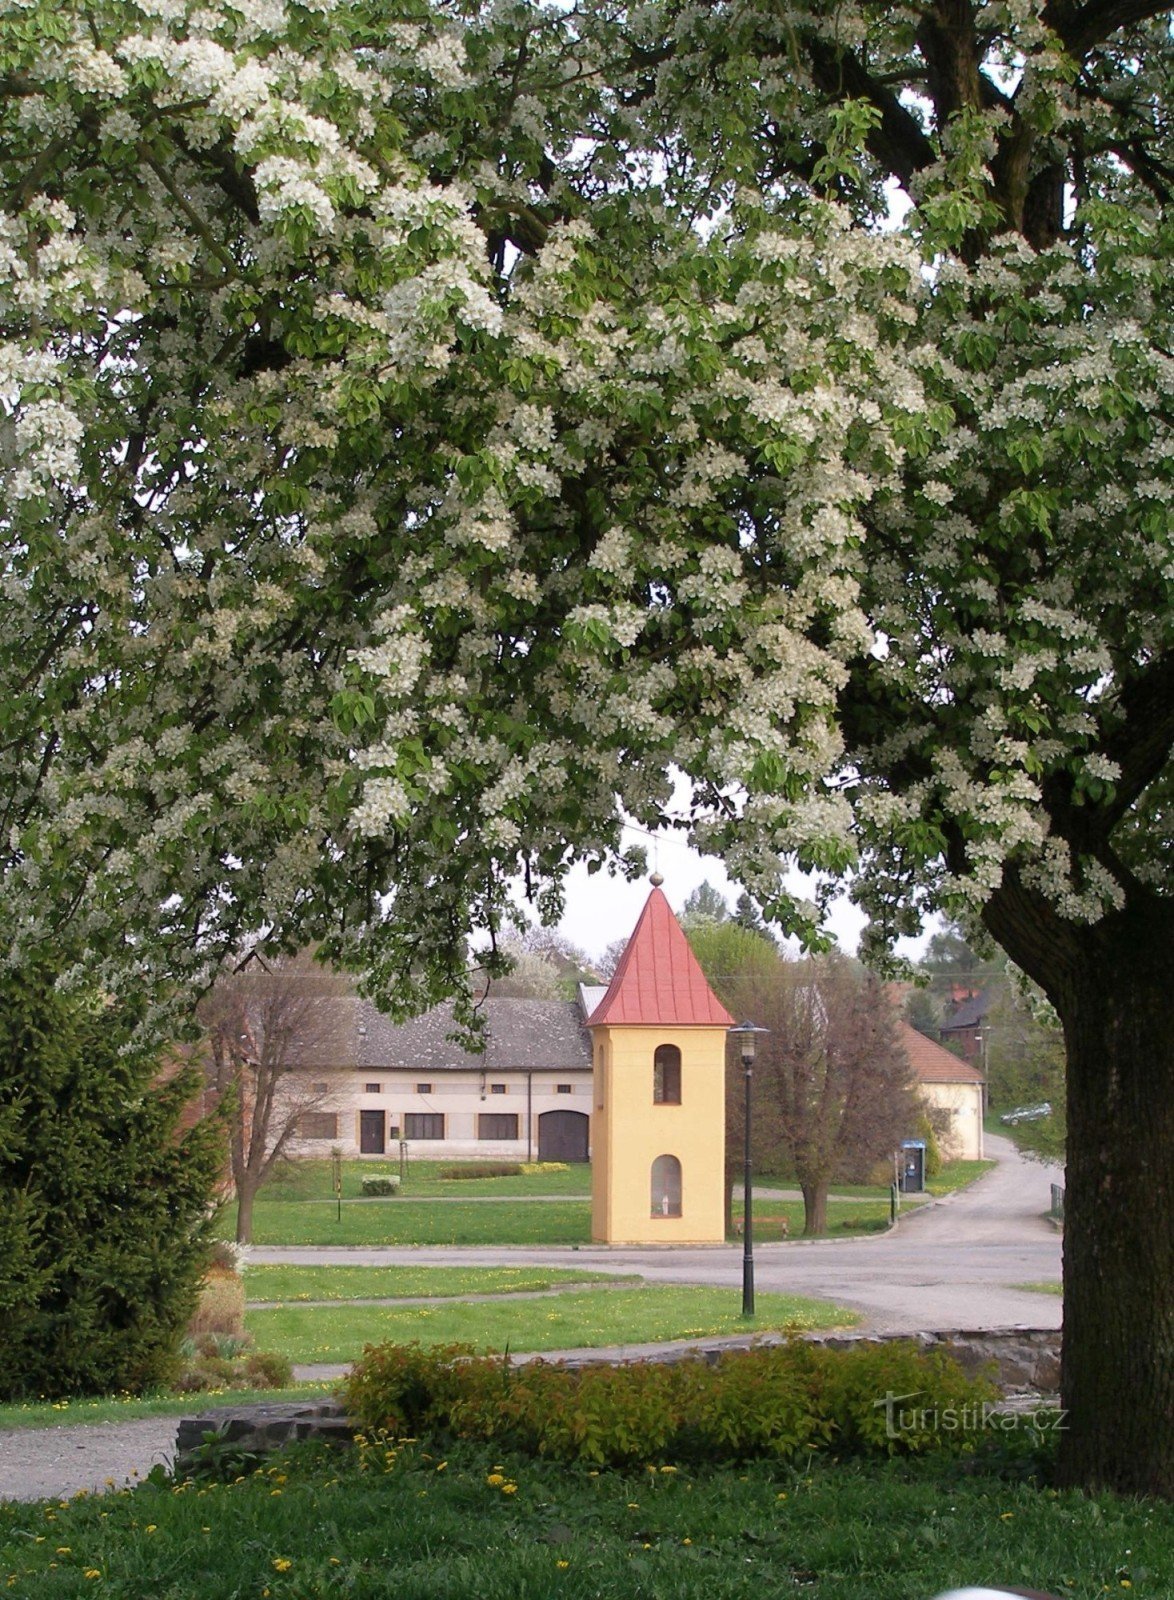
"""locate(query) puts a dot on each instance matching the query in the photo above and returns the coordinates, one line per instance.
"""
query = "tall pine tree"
(104, 1202)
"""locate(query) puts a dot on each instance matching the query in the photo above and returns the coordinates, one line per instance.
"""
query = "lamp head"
(745, 1033)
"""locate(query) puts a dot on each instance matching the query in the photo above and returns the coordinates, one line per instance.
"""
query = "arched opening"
(666, 1187)
(666, 1076)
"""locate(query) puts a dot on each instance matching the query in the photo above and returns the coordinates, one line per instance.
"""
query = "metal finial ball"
(656, 879)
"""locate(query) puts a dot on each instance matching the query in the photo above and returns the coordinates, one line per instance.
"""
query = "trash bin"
(911, 1166)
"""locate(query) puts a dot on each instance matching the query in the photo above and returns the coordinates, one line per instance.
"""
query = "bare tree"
(271, 1026)
(831, 1078)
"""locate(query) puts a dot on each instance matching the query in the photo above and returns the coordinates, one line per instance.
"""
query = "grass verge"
(369, 1283)
(783, 1219)
(1045, 1286)
(504, 1528)
(590, 1318)
(130, 1408)
(957, 1175)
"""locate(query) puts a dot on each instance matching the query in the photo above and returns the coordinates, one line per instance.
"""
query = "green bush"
(778, 1401)
(104, 1203)
(483, 1169)
(380, 1187)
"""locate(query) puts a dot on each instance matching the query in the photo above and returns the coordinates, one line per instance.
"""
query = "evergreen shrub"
(379, 1188)
(778, 1401)
(104, 1202)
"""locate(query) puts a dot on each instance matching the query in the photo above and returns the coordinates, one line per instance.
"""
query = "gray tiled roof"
(969, 1014)
(522, 1034)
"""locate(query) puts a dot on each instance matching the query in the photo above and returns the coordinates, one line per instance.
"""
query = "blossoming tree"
(425, 425)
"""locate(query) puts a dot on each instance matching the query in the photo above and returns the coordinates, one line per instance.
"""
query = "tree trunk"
(245, 1195)
(815, 1208)
(1118, 1348)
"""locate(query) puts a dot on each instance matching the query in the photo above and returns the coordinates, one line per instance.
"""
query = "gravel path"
(55, 1463)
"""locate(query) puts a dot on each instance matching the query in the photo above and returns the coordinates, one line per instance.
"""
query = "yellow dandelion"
(1005, 1516)
(92, 1572)
(281, 1563)
(63, 1550)
(562, 1565)
(495, 1480)
(150, 1528)
(686, 1541)
(509, 1488)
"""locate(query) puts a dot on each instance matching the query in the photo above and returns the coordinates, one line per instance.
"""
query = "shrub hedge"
(776, 1401)
(484, 1169)
(380, 1187)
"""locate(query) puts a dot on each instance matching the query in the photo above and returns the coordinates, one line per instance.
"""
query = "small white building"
(527, 1098)
(950, 1085)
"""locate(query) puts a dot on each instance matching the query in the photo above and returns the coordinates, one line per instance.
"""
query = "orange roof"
(932, 1064)
(659, 982)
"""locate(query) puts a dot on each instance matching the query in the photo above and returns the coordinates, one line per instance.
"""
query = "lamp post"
(745, 1033)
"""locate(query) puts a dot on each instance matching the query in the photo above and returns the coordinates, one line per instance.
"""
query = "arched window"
(666, 1076)
(666, 1187)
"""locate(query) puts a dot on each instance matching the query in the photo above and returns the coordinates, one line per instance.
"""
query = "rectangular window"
(423, 1088)
(372, 1088)
(563, 1088)
(497, 1088)
(423, 1125)
(318, 1125)
(497, 1125)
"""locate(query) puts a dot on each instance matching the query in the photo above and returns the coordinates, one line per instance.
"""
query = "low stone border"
(1026, 1360)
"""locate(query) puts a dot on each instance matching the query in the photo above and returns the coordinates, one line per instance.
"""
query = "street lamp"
(745, 1033)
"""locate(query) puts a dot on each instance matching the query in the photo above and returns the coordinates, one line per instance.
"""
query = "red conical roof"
(659, 982)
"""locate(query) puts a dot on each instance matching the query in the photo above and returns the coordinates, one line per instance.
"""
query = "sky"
(602, 908)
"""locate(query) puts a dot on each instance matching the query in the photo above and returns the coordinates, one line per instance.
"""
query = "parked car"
(1027, 1113)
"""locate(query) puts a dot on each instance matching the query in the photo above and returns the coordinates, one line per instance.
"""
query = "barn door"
(562, 1136)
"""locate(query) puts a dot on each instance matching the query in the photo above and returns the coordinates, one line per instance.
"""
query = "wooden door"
(562, 1136)
(372, 1132)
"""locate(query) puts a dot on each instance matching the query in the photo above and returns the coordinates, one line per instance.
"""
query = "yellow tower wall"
(629, 1131)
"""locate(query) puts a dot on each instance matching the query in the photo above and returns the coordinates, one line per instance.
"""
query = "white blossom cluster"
(420, 460)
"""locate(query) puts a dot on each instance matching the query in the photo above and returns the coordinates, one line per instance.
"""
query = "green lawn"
(370, 1283)
(479, 1523)
(848, 1216)
(296, 1208)
(956, 1175)
(408, 1222)
(129, 1408)
(313, 1180)
(590, 1317)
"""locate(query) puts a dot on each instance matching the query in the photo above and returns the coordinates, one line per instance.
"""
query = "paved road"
(950, 1265)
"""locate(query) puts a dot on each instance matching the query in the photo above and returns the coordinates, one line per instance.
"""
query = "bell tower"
(659, 1087)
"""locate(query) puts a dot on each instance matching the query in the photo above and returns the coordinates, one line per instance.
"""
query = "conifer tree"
(104, 1202)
